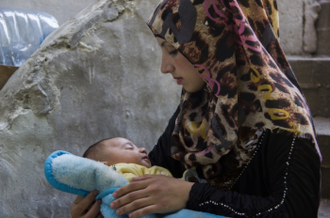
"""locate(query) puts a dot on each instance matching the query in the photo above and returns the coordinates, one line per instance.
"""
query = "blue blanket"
(79, 176)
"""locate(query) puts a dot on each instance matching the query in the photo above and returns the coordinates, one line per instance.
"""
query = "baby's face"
(121, 150)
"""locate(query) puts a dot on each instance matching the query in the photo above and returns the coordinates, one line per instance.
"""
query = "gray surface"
(324, 211)
(323, 29)
(312, 74)
(322, 126)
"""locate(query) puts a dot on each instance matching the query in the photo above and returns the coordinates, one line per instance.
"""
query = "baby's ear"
(106, 163)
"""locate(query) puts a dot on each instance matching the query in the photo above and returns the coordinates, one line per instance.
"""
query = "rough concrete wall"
(323, 29)
(95, 77)
(297, 26)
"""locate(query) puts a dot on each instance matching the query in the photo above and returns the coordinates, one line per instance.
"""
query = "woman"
(242, 122)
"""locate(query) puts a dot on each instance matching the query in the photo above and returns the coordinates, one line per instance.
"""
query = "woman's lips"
(178, 80)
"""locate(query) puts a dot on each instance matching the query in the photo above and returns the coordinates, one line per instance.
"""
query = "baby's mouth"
(146, 159)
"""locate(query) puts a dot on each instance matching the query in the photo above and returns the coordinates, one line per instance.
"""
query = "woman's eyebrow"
(162, 44)
(167, 45)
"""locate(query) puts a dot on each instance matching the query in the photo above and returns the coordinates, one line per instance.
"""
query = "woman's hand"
(151, 194)
(86, 207)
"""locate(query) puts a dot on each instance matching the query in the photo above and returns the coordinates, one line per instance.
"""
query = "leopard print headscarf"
(250, 86)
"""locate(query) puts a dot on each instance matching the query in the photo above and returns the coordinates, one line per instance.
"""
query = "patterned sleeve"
(284, 181)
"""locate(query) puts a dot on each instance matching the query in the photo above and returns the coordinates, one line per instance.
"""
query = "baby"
(81, 175)
(124, 157)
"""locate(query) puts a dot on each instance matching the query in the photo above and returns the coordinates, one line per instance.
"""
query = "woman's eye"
(173, 52)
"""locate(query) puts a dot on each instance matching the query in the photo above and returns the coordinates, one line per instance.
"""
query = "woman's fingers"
(94, 211)
(133, 206)
(143, 211)
(85, 207)
(128, 196)
(151, 194)
(82, 203)
(128, 188)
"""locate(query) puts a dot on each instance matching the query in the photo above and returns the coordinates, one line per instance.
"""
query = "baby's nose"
(143, 150)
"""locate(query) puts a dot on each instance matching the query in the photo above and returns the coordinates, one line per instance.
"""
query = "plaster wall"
(297, 26)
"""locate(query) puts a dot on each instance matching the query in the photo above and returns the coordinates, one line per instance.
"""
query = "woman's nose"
(166, 65)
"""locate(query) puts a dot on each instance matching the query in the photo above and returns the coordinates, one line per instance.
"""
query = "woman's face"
(179, 67)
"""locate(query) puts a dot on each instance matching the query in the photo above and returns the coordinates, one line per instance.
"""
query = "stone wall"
(95, 77)
(297, 26)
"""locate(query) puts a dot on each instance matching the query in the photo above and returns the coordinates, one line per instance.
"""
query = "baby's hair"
(91, 149)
